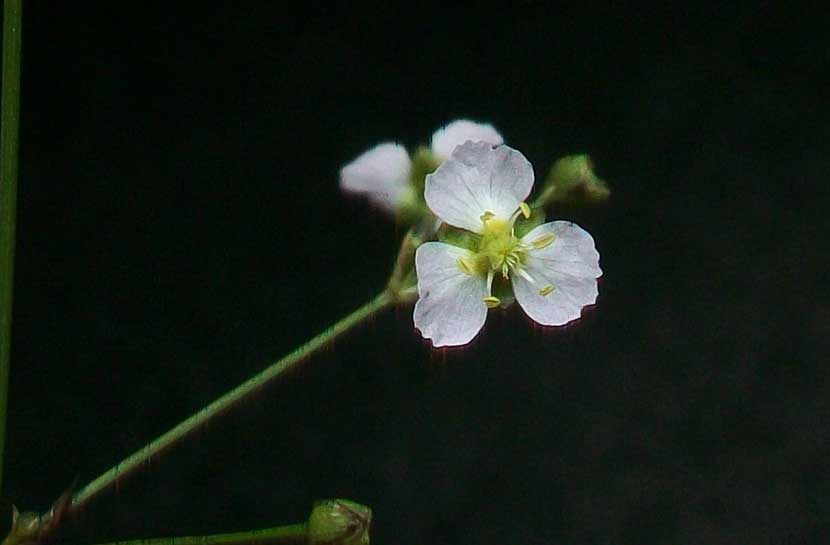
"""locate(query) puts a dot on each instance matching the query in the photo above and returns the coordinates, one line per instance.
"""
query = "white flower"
(383, 172)
(553, 269)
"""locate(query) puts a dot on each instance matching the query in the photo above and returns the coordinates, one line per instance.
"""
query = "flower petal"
(570, 264)
(478, 178)
(382, 173)
(445, 139)
(450, 308)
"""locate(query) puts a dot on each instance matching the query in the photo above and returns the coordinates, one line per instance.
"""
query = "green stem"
(294, 533)
(199, 419)
(9, 123)
(403, 262)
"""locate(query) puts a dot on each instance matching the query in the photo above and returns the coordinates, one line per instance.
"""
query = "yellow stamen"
(543, 241)
(487, 216)
(492, 302)
(546, 290)
(525, 209)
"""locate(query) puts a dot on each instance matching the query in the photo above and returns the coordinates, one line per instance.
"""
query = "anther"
(487, 216)
(546, 290)
(492, 302)
(543, 241)
(525, 209)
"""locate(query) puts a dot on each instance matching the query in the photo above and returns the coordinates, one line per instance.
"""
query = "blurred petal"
(478, 178)
(450, 308)
(382, 173)
(445, 139)
(570, 264)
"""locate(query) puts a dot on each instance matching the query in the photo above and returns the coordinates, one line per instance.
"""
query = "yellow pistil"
(546, 290)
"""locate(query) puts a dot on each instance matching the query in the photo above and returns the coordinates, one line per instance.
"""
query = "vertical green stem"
(9, 122)
(195, 421)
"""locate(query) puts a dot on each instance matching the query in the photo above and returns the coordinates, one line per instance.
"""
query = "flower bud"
(339, 522)
(572, 180)
(25, 529)
(411, 208)
(30, 528)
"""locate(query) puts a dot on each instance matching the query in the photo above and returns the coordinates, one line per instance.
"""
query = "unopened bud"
(572, 180)
(411, 208)
(339, 522)
(25, 529)
(30, 528)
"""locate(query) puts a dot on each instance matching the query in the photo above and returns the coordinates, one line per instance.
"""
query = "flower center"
(499, 250)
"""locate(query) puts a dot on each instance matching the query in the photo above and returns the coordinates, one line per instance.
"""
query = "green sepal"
(525, 225)
(572, 180)
(339, 522)
(459, 237)
(424, 162)
(503, 289)
(411, 209)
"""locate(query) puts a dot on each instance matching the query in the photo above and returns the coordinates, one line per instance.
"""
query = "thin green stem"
(294, 533)
(9, 123)
(199, 419)
(402, 261)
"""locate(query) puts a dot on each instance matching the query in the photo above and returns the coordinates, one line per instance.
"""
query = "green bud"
(25, 530)
(412, 209)
(572, 180)
(339, 522)
(424, 162)
(29, 528)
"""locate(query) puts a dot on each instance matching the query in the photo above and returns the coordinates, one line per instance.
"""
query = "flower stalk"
(292, 360)
(331, 522)
(9, 124)
(279, 535)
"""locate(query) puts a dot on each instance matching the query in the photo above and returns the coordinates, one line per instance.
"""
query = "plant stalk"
(294, 533)
(227, 401)
(9, 135)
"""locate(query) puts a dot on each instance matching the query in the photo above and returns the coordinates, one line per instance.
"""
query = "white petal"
(382, 173)
(450, 308)
(445, 139)
(570, 264)
(478, 178)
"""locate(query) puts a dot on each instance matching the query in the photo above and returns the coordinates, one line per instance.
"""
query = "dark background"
(180, 226)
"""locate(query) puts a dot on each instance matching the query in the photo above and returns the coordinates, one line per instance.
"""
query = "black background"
(180, 226)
